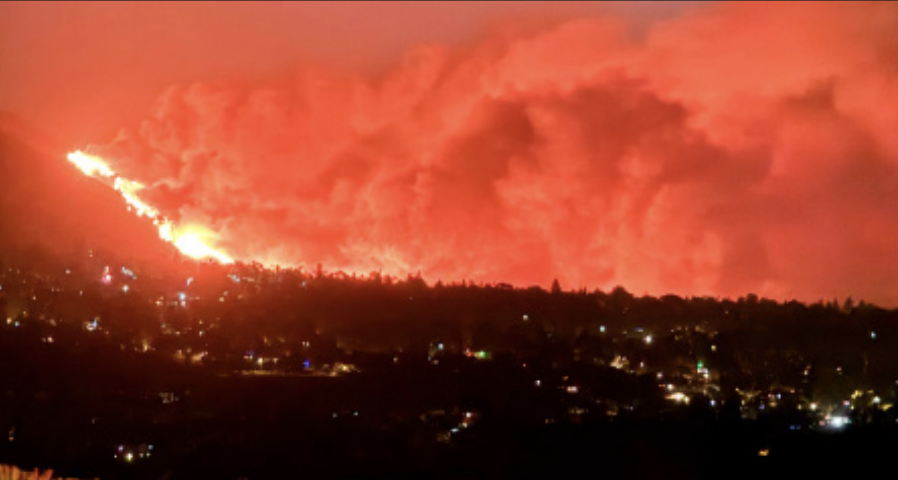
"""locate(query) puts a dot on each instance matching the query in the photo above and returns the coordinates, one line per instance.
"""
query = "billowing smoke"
(740, 148)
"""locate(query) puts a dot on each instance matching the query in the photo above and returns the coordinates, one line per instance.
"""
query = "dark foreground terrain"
(240, 372)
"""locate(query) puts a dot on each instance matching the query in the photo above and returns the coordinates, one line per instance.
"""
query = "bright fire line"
(186, 241)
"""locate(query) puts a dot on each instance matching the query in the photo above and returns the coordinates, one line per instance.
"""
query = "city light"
(679, 397)
(838, 421)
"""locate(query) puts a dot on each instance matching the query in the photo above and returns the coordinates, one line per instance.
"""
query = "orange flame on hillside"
(186, 239)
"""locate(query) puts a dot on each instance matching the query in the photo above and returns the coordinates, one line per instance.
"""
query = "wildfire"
(90, 165)
(193, 246)
(188, 240)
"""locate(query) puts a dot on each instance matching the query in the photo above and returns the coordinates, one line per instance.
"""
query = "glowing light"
(192, 246)
(129, 190)
(90, 165)
(838, 421)
(678, 397)
(188, 241)
(165, 232)
(763, 452)
(648, 339)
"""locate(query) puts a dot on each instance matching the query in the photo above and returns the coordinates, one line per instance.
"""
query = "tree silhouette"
(556, 287)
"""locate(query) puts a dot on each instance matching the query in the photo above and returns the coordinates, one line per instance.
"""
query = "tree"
(620, 297)
(848, 306)
(556, 287)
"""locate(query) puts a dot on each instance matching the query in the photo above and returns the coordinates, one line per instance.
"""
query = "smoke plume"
(740, 148)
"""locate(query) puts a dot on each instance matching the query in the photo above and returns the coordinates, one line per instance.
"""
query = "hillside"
(48, 209)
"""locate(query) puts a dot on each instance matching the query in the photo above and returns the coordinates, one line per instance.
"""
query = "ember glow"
(91, 165)
(186, 239)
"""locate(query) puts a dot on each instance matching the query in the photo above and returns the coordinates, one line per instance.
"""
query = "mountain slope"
(47, 205)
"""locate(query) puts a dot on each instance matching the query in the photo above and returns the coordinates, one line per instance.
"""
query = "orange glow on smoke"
(690, 156)
(187, 240)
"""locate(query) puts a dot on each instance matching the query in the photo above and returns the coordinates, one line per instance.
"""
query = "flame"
(192, 245)
(129, 190)
(90, 165)
(188, 240)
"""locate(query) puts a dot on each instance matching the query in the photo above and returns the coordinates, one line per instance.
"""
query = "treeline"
(9, 472)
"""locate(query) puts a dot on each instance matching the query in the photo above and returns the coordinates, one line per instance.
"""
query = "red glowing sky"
(716, 149)
(86, 69)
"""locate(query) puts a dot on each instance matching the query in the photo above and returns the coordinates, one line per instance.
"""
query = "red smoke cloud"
(742, 148)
